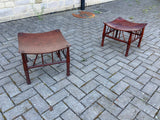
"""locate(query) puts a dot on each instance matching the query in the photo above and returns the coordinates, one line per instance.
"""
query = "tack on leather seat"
(117, 28)
(43, 43)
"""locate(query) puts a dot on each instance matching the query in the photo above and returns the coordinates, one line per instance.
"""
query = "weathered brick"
(57, 97)
(150, 88)
(109, 106)
(129, 113)
(74, 104)
(57, 110)
(69, 115)
(105, 115)
(5, 103)
(43, 90)
(107, 93)
(91, 85)
(11, 89)
(23, 96)
(90, 98)
(16, 111)
(92, 112)
(60, 85)
(144, 106)
(124, 99)
(32, 115)
(154, 101)
(39, 103)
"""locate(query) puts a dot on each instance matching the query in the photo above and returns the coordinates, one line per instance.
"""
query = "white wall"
(16, 9)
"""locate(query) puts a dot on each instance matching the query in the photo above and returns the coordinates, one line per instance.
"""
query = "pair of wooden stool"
(54, 43)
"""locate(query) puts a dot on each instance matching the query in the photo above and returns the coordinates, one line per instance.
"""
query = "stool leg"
(103, 35)
(128, 44)
(24, 59)
(68, 62)
(139, 43)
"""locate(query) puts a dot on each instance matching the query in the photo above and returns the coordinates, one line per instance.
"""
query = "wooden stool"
(116, 28)
(43, 43)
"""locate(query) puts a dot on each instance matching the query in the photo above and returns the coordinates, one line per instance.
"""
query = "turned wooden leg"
(103, 35)
(139, 43)
(24, 59)
(68, 62)
(128, 44)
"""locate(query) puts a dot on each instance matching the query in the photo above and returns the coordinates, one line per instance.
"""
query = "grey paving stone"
(123, 65)
(154, 101)
(88, 87)
(19, 118)
(102, 72)
(129, 113)
(143, 116)
(101, 65)
(77, 72)
(60, 76)
(60, 85)
(57, 110)
(43, 90)
(92, 112)
(158, 116)
(106, 115)
(138, 94)
(39, 103)
(144, 107)
(11, 89)
(57, 97)
(24, 96)
(116, 77)
(5, 103)
(133, 83)
(75, 91)
(109, 106)
(156, 81)
(89, 76)
(77, 64)
(75, 80)
(124, 99)
(47, 79)
(12, 65)
(111, 62)
(105, 82)
(4, 81)
(7, 73)
(150, 88)
(18, 79)
(25, 86)
(69, 115)
(139, 70)
(74, 104)
(129, 74)
(1, 90)
(88, 68)
(107, 93)
(135, 63)
(120, 87)
(144, 78)
(1, 116)
(32, 115)
(16, 111)
(90, 98)
(113, 69)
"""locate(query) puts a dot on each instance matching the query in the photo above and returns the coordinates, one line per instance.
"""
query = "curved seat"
(118, 28)
(124, 25)
(37, 43)
(42, 43)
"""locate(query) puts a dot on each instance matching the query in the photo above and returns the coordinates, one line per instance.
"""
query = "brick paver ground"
(103, 85)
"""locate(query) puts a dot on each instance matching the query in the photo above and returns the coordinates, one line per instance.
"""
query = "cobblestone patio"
(103, 85)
